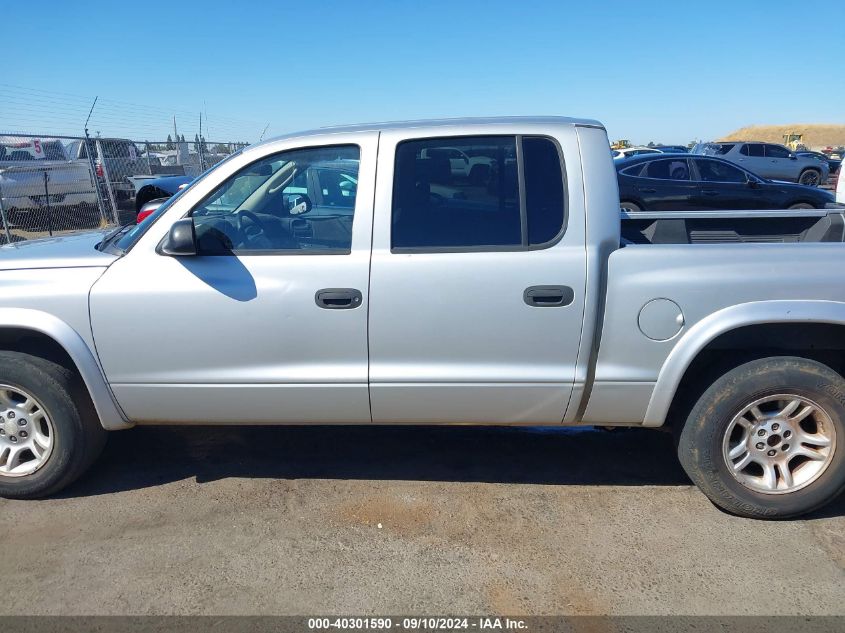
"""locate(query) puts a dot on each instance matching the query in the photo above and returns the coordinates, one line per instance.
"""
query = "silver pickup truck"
(351, 276)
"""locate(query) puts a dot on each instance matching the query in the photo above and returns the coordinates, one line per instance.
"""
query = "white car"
(840, 187)
(462, 165)
(634, 151)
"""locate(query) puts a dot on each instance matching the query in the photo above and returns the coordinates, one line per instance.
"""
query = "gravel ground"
(406, 520)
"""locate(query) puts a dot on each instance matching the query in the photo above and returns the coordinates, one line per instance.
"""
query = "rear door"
(665, 185)
(477, 288)
(751, 156)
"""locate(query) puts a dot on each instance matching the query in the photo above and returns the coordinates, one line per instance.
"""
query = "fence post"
(5, 221)
(147, 152)
(101, 155)
(47, 202)
(92, 170)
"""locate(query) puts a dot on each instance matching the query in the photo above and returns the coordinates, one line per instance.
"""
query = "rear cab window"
(478, 194)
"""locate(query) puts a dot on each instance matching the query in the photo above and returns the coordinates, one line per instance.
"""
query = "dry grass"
(815, 135)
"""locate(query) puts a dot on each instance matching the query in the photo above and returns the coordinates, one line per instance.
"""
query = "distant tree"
(650, 144)
(196, 142)
(220, 148)
(170, 144)
(183, 138)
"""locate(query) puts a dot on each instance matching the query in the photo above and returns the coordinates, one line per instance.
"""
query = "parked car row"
(689, 182)
(767, 160)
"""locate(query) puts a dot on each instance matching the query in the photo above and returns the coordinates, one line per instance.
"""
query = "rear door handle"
(710, 192)
(649, 190)
(548, 296)
(338, 298)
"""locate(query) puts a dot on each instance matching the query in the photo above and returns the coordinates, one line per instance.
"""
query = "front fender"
(720, 322)
(89, 369)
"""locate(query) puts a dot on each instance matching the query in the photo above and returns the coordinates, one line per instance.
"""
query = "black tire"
(700, 448)
(810, 177)
(802, 205)
(630, 206)
(78, 436)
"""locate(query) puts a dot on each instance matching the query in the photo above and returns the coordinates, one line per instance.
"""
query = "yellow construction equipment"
(620, 144)
(793, 141)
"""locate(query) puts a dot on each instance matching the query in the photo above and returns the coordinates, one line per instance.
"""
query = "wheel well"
(43, 346)
(822, 342)
(37, 344)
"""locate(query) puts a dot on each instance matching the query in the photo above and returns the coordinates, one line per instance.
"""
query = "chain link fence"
(52, 185)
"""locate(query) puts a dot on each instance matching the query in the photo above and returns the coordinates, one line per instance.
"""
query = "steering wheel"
(252, 230)
(258, 227)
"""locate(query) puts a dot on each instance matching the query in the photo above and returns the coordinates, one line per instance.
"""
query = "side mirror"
(299, 204)
(792, 157)
(753, 183)
(181, 241)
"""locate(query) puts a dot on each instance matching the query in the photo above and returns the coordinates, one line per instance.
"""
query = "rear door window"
(668, 169)
(752, 149)
(506, 192)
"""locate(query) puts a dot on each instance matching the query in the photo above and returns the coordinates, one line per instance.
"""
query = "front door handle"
(548, 296)
(648, 190)
(338, 298)
(710, 192)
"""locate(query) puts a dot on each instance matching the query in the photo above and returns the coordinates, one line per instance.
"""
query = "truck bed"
(720, 227)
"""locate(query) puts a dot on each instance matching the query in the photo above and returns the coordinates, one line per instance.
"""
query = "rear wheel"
(629, 206)
(811, 177)
(49, 432)
(802, 205)
(766, 439)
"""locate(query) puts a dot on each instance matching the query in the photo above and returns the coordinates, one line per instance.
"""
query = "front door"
(780, 164)
(477, 288)
(268, 322)
(724, 187)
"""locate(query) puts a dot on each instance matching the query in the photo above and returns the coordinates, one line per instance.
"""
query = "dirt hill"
(815, 135)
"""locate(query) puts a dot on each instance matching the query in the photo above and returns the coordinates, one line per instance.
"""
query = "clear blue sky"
(663, 71)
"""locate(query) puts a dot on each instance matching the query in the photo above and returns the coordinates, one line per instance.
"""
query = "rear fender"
(720, 322)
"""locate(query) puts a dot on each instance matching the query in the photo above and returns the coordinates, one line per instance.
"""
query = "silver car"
(769, 161)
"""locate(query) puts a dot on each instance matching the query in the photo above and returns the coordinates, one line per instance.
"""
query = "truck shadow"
(151, 456)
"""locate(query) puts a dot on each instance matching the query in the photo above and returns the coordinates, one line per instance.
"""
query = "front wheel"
(767, 439)
(49, 433)
(629, 206)
(810, 177)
